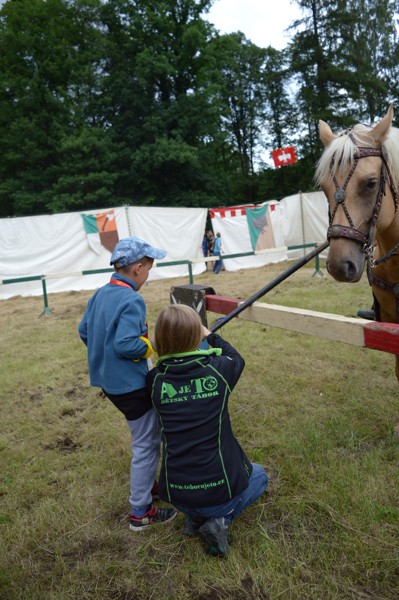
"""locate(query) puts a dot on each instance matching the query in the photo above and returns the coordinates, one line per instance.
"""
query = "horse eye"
(371, 184)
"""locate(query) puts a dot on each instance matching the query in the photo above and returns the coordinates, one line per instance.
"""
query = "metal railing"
(189, 262)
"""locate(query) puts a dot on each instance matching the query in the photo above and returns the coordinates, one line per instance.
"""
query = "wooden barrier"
(357, 332)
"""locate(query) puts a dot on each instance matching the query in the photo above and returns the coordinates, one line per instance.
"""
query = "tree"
(50, 69)
(240, 99)
(340, 59)
(106, 102)
(157, 102)
(372, 57)
(280, 111)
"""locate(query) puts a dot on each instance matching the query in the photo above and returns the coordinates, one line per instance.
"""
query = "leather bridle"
(351, 232)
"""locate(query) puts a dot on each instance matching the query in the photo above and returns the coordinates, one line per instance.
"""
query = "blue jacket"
(111, 327)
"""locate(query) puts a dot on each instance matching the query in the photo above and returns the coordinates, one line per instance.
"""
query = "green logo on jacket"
(202, 387)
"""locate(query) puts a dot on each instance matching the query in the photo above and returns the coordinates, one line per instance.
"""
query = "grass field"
(318, 415)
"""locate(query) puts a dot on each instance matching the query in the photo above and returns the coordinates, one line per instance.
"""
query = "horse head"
(356, 171)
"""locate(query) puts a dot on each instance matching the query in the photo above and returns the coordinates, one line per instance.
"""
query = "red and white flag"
(284, 156)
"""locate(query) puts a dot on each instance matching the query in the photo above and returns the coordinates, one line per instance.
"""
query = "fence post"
(190, 272)
(47, 312)
(317, 271)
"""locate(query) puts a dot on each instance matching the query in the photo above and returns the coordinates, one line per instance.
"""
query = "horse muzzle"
(346, 258)
(347, 269)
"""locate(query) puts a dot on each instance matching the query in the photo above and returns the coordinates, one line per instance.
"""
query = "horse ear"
(326, 135)
(381, 130)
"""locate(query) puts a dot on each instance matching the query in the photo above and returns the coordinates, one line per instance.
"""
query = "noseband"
(338, 231)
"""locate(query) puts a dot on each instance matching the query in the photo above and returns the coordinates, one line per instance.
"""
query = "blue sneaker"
(153, 516)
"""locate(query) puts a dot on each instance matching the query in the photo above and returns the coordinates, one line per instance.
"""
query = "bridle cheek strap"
(350, 232)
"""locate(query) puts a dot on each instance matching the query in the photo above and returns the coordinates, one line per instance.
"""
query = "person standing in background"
(205, 248)
(211, 241)
(217, 251)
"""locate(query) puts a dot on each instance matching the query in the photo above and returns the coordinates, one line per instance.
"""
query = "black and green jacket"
(202, 462)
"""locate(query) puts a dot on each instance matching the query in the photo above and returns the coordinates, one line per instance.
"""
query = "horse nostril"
(351, 270)
(346, 270)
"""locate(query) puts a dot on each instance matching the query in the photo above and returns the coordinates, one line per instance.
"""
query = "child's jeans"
(256, 486)
(218, 264)
(146, 439)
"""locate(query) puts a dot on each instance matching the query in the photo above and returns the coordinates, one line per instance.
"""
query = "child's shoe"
(214, 532)
(153, 516)
(192, 525)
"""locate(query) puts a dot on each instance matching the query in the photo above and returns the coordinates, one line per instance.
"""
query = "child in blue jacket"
(114, 330)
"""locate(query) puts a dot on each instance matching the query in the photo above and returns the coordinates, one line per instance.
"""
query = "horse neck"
(387, 239)
(387, 229)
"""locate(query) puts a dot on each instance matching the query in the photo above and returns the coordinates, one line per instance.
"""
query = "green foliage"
(345, 58)
(84, 173)
(48, 63)
(107, 102)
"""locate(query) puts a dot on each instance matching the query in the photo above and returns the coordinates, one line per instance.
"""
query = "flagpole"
(272, 284)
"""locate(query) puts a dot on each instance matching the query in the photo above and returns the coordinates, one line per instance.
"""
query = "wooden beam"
(357, 332)
(382, 336)
(324, 325)
(221, 304)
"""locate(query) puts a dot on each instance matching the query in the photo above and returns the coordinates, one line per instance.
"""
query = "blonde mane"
(340, 153)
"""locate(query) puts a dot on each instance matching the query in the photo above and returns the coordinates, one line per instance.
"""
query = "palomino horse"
(359, 173)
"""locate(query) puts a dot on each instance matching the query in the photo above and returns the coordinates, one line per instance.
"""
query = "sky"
(261, 21)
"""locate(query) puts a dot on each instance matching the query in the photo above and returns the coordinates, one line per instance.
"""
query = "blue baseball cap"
(131, 249)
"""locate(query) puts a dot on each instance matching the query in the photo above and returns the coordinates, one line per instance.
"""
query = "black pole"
(271, 285)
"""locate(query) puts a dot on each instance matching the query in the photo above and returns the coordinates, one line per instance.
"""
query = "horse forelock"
(336, 157)
(340, 153)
